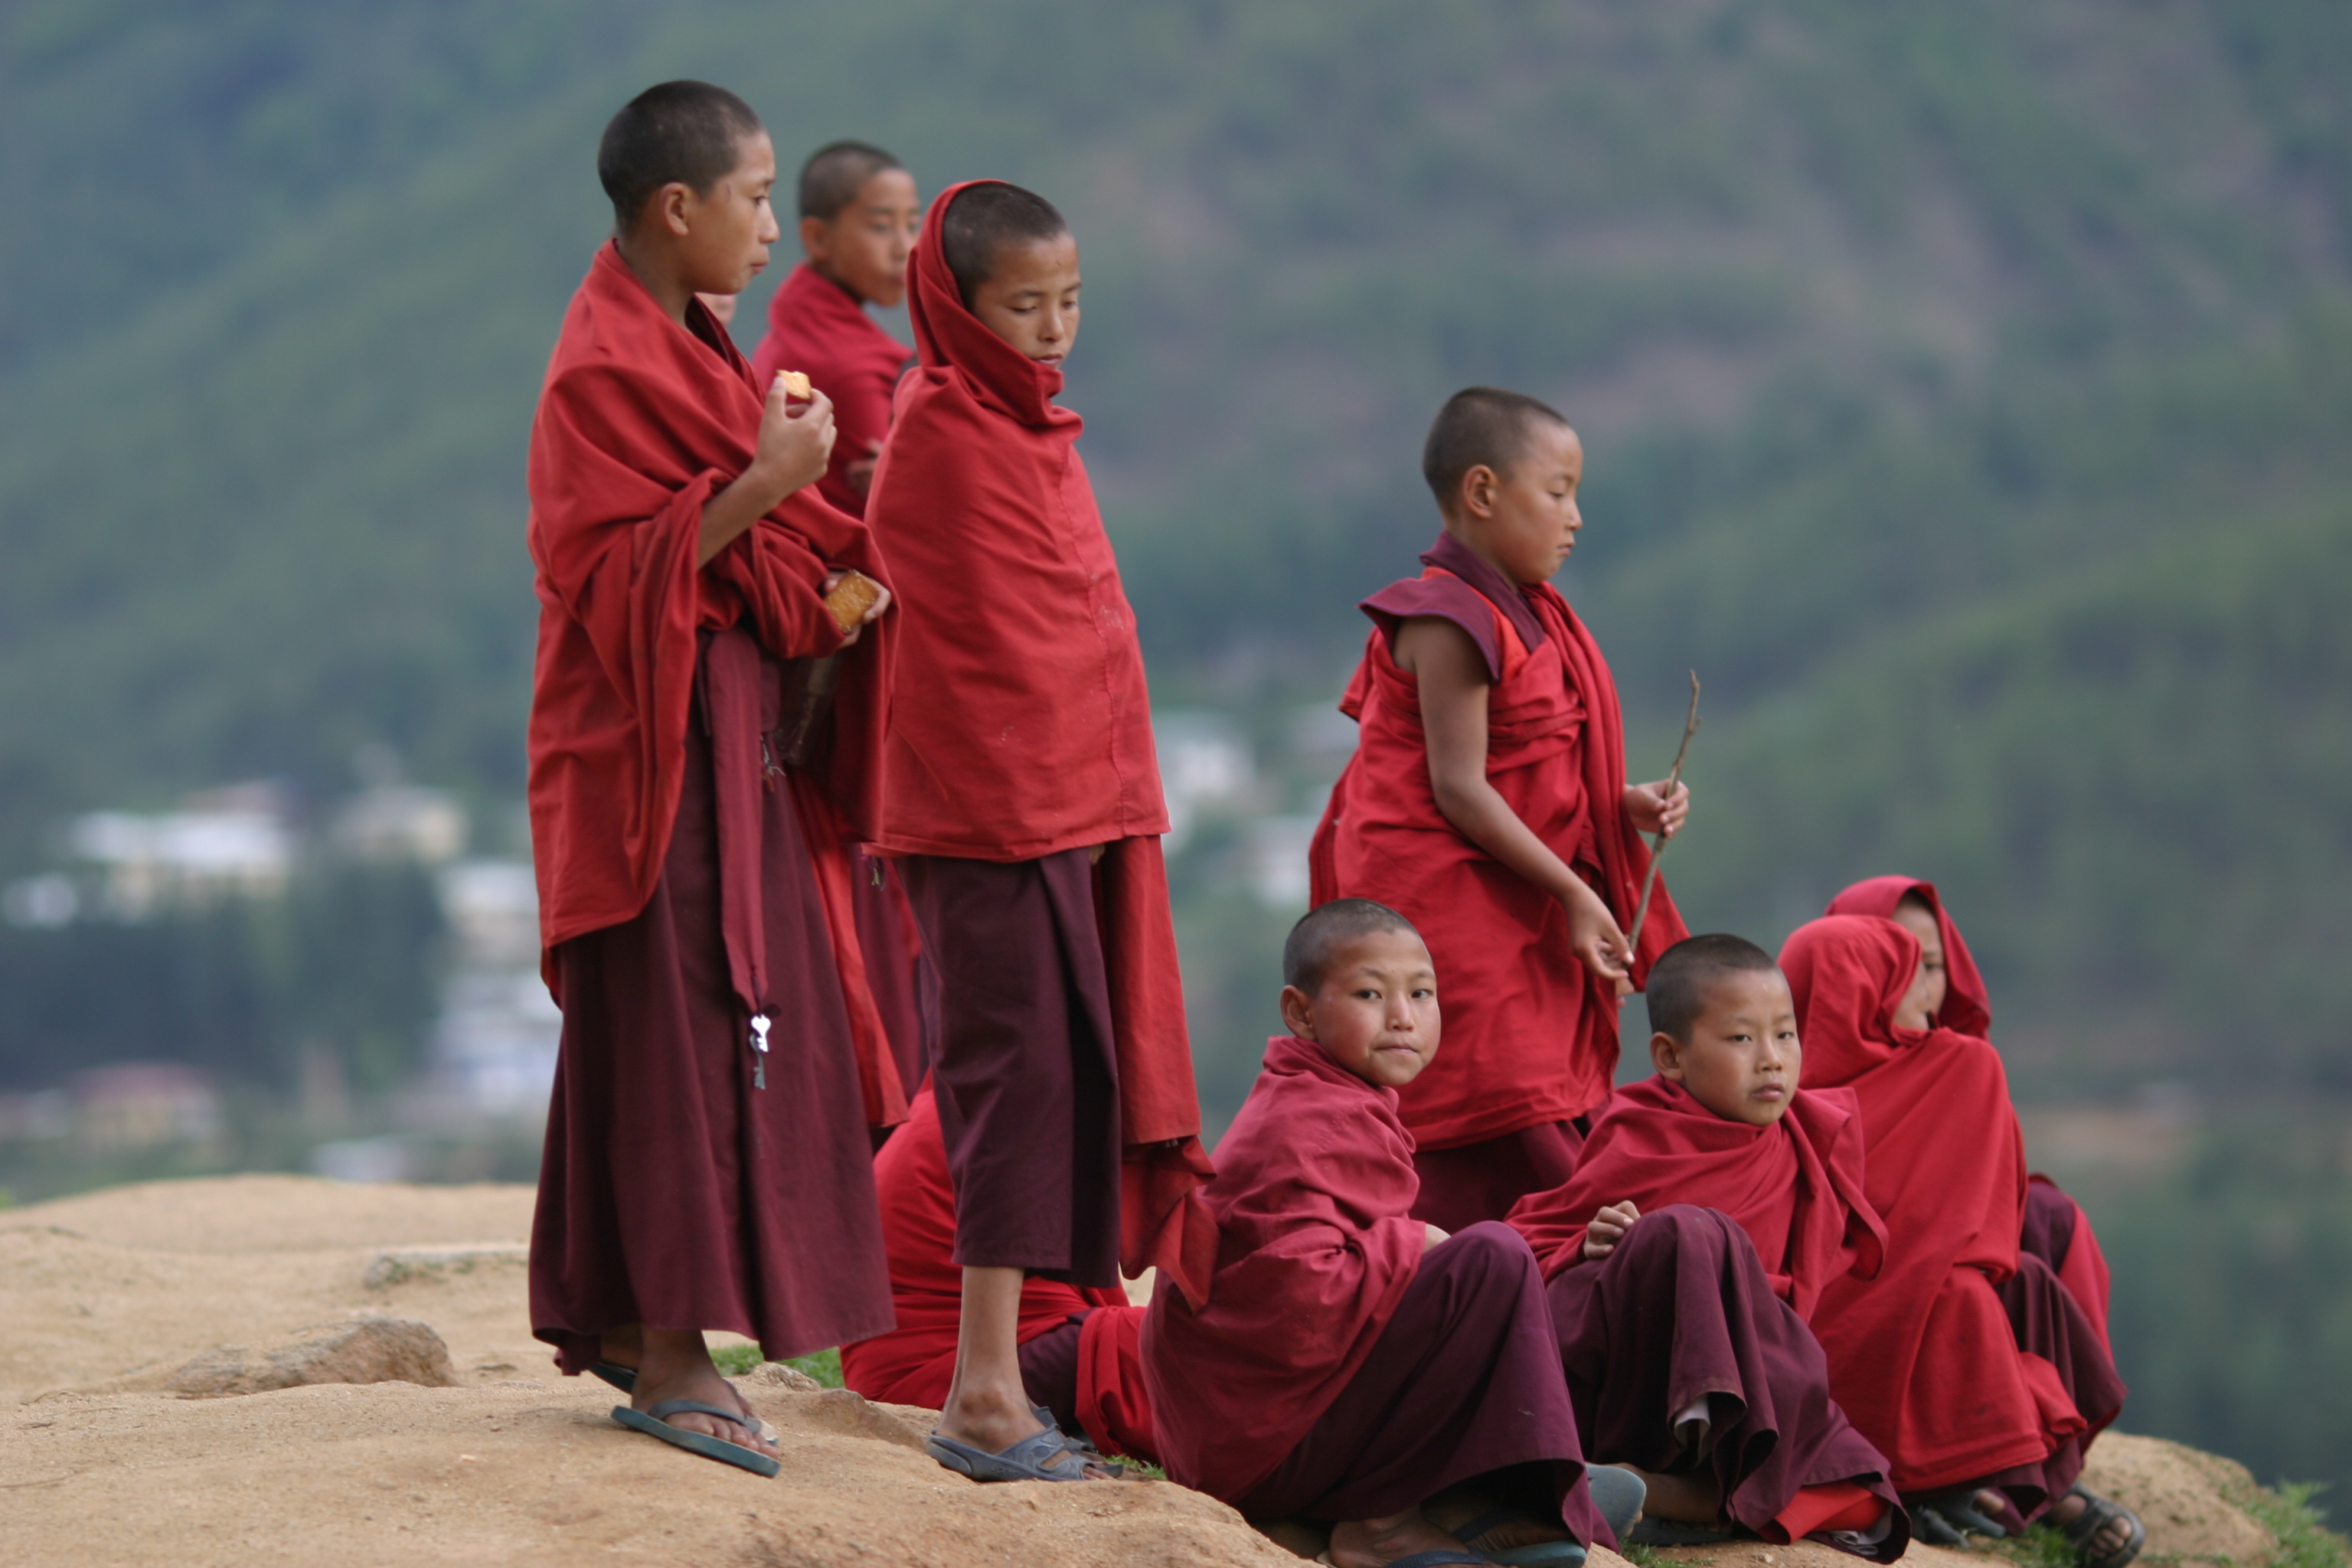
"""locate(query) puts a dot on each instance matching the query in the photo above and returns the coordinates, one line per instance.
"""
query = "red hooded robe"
(817, 326)
(1029, 730)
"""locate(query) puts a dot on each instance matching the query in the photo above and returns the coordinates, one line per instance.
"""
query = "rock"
(776, 1375)
(2190, 1501)
(399, 1264)
(372, 1349)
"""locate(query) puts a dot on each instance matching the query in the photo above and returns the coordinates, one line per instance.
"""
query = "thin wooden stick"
(1658, 847)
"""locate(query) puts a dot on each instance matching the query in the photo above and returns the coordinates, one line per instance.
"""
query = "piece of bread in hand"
(850, 599)
(796, 383)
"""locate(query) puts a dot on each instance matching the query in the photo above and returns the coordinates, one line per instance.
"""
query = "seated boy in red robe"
(1353, 1365)
(1081, 1348)
(1687, 1351)
(692, 867)
(857, 213)
(1487, 801)
(1968, 1364)
(1023, 803)
(2056, 1231)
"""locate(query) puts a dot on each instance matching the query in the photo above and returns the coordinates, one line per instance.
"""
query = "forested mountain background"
(1966, 393)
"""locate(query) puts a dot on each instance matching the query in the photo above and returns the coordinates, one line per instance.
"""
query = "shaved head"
(984, 220)
(1323, 930)
(1480, 426)
(1685, 975)
(836, 172)
(687, 132)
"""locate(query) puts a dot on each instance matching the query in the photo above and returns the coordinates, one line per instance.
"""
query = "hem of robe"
(900, 847)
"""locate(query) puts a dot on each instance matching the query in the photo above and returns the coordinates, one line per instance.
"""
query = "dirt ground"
(104, 1296)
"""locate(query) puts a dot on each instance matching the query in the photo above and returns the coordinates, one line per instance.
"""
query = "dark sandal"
(1533, 1554)
(1619, 1494)
(623, 1378)
(1952, 1519)
(1031, 1459)
(655, 1422)
(2097, 1513)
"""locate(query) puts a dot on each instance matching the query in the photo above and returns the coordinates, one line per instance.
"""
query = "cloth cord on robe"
(2050, 1226)
(1796, 1187)
(1679, 1312)
(1511, 985)
(640, 422)
(818, 327)
(1030, 731)
(673, 1194)
(1922, 1357)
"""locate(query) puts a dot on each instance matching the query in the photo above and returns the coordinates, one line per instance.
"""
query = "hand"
(1432, 1237)
(1652, 808)
(873, 611)
(860, 475)
(1594, 936)
(794, 445)
(1608, 1229)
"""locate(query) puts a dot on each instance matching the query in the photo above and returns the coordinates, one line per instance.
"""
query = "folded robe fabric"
(1530, 1035)
(818, 327)
(1795, 1188)
(2056, 1224)
(915, 1363)
(1316, 1248)
(1923, 1358)
(640, 423)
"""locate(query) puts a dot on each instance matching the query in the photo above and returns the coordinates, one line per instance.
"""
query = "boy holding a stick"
(1488, 802)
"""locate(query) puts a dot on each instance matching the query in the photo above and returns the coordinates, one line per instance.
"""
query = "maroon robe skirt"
(1025, 1072)
(2050, 1323)
(1471, 1182)
(1681, 1310)
(1462, 1383)
(672, 1191)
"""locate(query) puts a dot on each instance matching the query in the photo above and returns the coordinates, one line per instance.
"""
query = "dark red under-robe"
(915, 1363)
(1923, 1357)
(1335, 1371)
(2056, 1229)
(818, 327)
(1531, 1036)
(692, 891)
(1021, 731)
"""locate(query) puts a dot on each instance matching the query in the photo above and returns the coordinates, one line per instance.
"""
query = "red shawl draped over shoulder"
(1531, 1036)
(640, 423)
(1316, 1249)
(817, 326)
(1024, 726)
(1795, 1188)
(1923, 1358)
(915, 1363)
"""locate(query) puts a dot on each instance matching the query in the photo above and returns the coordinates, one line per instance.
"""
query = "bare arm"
(792, 450)
(1452, 675)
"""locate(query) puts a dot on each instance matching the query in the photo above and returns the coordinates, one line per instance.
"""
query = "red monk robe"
(2056, 1228)
(1020, 745)
(1338, 1370)
(689, 887)
(819, 328)
(1096, 1361)
(1531, 1036)
(1741, 1227)
(1924, 1358)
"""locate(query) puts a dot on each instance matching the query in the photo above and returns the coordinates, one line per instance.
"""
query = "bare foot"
(627, 1347)
(1377, 1542)
(674, 1364)
(988, 1418)
(2112, 1536)
(1685, 1499)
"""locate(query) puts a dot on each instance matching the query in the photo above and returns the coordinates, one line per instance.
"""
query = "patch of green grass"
(734, 1360)
(822, 1365)
(2041, 1546)
(1149, 1472)
(2305, 1540)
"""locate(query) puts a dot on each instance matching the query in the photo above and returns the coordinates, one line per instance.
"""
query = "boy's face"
(1931, 984)
(865, 246)
(1031, 298)
(1742, 1058)
(1376, 1012)
(720, 238)
(1524, 519)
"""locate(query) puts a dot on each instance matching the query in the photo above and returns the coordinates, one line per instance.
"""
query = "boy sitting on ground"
(1352, 1365)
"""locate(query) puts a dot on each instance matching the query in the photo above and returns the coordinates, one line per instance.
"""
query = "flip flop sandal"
(1031, 1459)
(623, 1378)
(1534, 1554)
(1619, 1494)
(655, 1422)
(2097, 1513)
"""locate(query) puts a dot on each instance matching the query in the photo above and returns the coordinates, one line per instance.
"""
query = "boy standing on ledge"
(691, 883)
(1023, 798)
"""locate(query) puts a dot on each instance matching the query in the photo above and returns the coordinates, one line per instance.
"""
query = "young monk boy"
(1487, 801)
(695, 1178)
(1024, 802)
(1983, 1405)
(857, 213)
(1081, 1349)
(1352, 1363)
(1713, 1202)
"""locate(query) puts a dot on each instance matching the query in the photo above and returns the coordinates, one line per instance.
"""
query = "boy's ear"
(1476, 494)
(1666, 1056)
(1295, 1017)
(816, 238)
